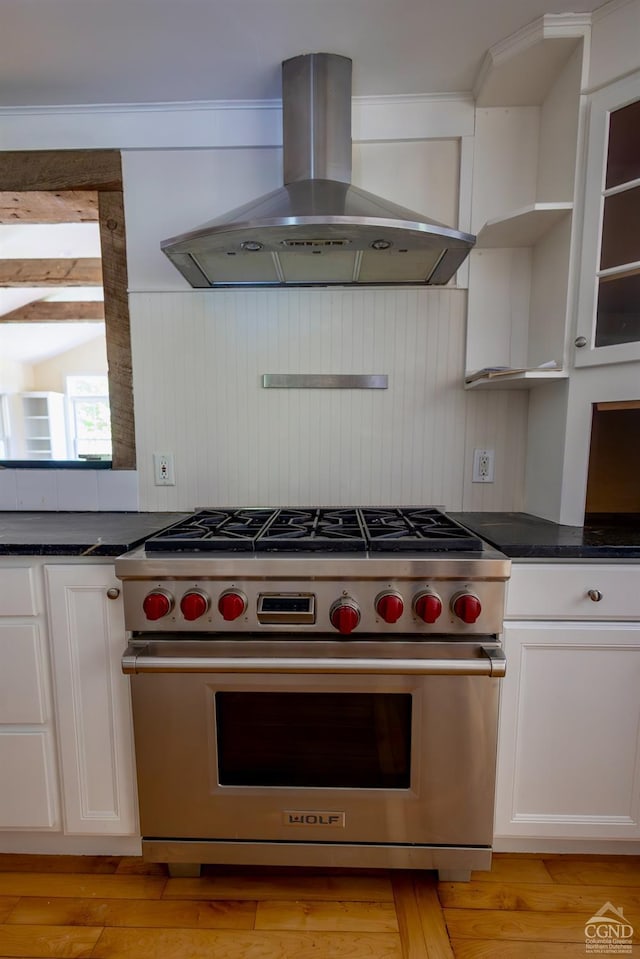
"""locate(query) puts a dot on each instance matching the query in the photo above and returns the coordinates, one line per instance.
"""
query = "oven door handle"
(490, 662)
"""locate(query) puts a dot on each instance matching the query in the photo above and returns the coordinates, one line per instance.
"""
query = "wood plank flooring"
(107, 907)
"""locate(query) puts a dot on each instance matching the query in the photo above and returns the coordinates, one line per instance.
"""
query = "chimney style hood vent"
(318, 229)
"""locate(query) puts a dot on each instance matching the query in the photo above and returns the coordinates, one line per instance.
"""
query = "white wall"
(87, 358)
(15, 377)
(198, 356)
(199, 396)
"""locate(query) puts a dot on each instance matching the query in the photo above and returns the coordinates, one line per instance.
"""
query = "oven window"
(350, 740)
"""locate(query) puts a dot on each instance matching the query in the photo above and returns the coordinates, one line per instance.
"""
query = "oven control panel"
(371, 606)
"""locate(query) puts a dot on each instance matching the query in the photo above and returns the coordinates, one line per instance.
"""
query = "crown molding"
(211, 124)
(182, 106)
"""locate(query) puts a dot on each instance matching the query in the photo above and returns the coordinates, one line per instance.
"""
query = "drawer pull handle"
(113, 592)
(595, 595)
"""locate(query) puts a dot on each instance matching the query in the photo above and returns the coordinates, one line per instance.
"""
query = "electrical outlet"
(483, 466)
(163, 469)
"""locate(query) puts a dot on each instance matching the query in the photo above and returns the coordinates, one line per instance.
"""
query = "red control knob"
(157, 604)
(389, 607)
(194, 604)
(231, 605)
(466, 607)
(344, 616)
(428, 607)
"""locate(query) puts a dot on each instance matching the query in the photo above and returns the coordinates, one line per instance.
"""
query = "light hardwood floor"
(526, 907)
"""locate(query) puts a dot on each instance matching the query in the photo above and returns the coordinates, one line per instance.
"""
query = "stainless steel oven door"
(316, 742)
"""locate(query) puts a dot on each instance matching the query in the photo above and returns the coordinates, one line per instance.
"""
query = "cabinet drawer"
(561, 591)
(28, 798)
(17, 597)
(21, 675)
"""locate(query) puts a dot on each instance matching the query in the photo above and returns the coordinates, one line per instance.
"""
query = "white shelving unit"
(45, 435)
(527, 121)
(524, 227)
(518, 381)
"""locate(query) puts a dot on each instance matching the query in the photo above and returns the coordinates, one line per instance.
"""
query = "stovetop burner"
(415, 528)
(353, 529)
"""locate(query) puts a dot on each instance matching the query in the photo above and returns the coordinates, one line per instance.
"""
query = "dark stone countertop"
(77, 534)
(520, 535)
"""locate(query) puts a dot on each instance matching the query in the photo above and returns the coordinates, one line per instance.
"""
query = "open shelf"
(518, 381)
(523, 227)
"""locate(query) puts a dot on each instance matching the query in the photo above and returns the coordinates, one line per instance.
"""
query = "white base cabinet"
(569, 740)
(28, 762)
(66, 746)
(569, 760)
(92, 701)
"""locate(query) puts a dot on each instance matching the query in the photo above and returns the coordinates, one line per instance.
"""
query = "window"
(89, 417)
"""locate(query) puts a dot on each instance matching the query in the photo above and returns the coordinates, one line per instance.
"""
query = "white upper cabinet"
(527, 128)
(608, 324)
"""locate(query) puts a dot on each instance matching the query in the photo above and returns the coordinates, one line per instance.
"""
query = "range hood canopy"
(318, 229)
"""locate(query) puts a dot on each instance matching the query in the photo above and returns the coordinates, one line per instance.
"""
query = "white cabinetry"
(608, 324)
(66, 746)
(569, 741)
(29, 793)
(92, 700)
(45, 435)
(527, 125)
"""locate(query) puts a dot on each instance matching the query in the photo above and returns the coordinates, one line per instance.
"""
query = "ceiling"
(138, 51)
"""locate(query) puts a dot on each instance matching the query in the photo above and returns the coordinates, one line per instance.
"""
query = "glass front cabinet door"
(608, 324)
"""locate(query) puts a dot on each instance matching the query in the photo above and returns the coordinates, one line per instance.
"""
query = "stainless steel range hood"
(318, 229)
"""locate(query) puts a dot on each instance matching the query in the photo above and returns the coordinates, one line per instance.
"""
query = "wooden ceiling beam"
(57, 311)
(61, 170)
(38, 206)
(59, 272)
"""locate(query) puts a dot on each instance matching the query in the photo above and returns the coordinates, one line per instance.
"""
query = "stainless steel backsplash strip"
(325, 381)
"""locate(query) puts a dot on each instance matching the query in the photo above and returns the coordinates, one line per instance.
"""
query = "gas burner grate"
(326, 530)
(209, 530)
(316, 529)
(415, 528)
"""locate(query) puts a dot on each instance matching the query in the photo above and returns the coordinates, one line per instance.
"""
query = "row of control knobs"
(344, 614)
(193, 604)
(427, 606)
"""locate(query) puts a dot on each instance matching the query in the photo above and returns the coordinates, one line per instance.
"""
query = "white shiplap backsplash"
(198, 360)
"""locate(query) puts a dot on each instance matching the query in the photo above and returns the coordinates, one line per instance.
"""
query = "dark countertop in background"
(518, 535)
(77, 534)
(521, 535)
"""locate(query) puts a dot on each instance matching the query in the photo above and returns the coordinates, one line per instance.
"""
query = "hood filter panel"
(320, 269)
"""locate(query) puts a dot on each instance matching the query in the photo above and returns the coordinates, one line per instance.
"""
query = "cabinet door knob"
(113, 592)
(595, 595)
(580, 341)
